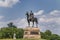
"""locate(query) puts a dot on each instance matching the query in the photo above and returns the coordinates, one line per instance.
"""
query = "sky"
(47, 12)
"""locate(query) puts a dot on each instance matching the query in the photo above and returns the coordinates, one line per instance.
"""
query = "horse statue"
(31, 18)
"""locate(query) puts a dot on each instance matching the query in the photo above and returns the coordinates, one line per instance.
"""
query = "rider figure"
(31, 15)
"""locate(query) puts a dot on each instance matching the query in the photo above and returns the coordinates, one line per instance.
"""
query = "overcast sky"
(47, 12)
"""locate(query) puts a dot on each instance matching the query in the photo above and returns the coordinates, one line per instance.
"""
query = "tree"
(11, 25)
(54, 37)
(48, 32)
(20, 33)
(43, 36)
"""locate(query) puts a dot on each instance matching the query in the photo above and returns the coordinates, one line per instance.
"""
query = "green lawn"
(22, 39)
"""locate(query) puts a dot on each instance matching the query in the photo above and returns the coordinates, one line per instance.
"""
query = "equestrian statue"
(31, 18)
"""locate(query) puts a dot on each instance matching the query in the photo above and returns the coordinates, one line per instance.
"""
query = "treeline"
(8, 32)
(49, 36)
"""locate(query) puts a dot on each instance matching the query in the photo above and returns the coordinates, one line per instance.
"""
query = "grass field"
(22, 39)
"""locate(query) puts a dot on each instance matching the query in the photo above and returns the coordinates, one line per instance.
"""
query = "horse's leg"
(33, 24)
(28, 23)
(36, 23)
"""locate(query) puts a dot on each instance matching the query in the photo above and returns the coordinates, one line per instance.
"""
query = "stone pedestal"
(32, 32)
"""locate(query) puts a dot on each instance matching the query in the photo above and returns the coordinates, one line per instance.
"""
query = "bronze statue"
(31, 18)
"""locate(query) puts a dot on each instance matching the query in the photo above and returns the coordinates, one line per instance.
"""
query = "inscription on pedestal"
(32, 33)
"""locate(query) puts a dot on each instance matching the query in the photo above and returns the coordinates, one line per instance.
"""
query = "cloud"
(55, 13)
(21, 23)
(8, 3)
(2, 24)
(45, 20)
(39, 12)
(1, 17)
(50, 21)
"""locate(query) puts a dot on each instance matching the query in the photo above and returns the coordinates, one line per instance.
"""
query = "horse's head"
(27, 13)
